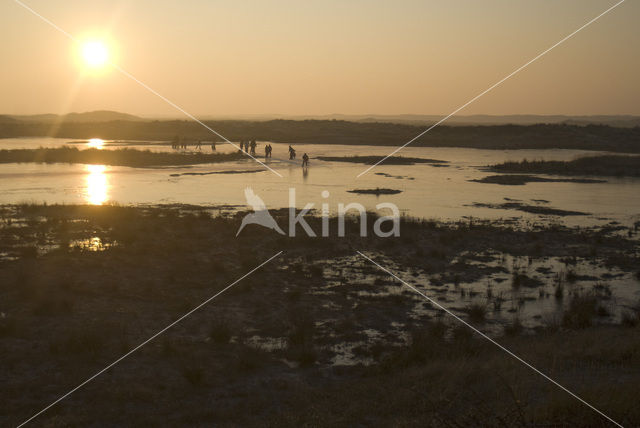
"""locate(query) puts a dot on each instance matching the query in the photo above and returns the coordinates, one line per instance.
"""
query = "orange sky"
(323, 57)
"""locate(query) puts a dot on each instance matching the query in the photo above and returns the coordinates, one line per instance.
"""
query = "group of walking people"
(179, 143)
(292, 156)
(250, 147)
(247, 146)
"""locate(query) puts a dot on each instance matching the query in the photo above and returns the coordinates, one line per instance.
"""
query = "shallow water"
(427, 191)
(541, 305)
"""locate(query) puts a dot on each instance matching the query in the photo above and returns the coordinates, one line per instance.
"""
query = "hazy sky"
(321, 57)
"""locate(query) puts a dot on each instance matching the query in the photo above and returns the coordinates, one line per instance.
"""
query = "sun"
(95, 53)
(95, 143)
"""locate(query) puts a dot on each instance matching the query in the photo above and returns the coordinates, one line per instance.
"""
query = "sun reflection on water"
(91, 244)
(97, 185)
(95, 143)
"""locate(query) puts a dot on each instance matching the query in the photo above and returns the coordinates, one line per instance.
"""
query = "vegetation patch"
(371, 160)
(533, 209)
(520, 180)
(377, 191)
(119, 157)
(605, 166)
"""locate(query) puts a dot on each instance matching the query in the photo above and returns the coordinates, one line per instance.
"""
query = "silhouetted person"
(213, 146)
(253, 147)
(292, 153)
(305, 160)
(198, 144)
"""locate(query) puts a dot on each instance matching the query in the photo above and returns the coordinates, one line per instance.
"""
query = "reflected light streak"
(97, 190)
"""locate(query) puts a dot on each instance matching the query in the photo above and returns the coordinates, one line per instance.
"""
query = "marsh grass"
(581, 311)
(53, 305)
(520, 279)
(118, 157)
(194, 374)
(421, 371)
(302, 327)
(477, 312)
(514, 329)
(8, 325)
(79, 341)
(220, 331)
(250, 359)
(629, 319)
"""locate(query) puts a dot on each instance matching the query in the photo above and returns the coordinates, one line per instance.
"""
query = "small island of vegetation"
(606, 166)
(371, 160)
(377, 191)
(519, 180)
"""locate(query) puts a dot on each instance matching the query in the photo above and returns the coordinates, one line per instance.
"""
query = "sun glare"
(95, 53)
(96, 143)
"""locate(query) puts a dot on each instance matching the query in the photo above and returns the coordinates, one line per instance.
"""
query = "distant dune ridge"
(87, 117)
(623, 121)
(114, 125)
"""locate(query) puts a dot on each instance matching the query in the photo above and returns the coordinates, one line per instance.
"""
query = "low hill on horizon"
(84, 117)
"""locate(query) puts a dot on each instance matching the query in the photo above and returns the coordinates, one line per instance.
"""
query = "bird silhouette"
(260, 215)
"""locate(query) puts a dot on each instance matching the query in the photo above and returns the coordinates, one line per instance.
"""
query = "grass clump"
(79, 341)
(300, 347)
(513, 329)
(249, 359)
(8, 325)
(629, 319)
(220, 331)
(193, 374)
(477, 312)
(581, 311)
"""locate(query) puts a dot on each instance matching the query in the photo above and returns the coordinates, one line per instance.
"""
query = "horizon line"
(311, 115)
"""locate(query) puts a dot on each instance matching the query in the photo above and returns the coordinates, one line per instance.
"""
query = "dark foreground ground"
(82, 285)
